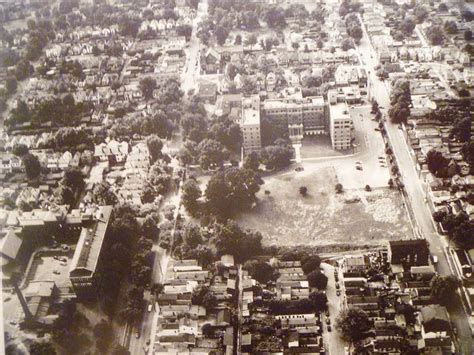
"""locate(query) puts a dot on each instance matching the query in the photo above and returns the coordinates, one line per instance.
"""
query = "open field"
(285, 218)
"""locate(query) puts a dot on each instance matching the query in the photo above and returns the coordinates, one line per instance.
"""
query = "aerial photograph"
(226, 177)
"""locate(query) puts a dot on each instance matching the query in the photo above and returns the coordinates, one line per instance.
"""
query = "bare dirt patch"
(286, 218)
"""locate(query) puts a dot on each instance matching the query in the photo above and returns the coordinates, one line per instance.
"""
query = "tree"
(443, 7)
(437, 163)
(120, 350)
(462, 129)
(450, 27)
(23, 70)
(435, 35)
(231, 191)
(317, 279)
(353, 324)
(191, 194)
(443, 289)
(311, 264)
(221, 34)
(155, 145)
(32, 166)
(251, 40)
(303, 191)
(104, 334)
(160, 178)
(275, 17)
(252, 161)
(462, 234)
(276, 156)
(211, 153)
(147, 87)
(203, 296)
(229, 238)
(42, 348)
(261, 271)
(238, 40)
(339, 188)
(11, 85)
(356, 33)
(226, 132)
(249, 85)
(319, 300)
(421, 13)
(20, 150)
(439, 216)
(103, 195)
(468, 35)
(295, 46)
(73, 178)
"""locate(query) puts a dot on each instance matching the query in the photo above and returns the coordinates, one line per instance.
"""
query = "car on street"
(434, 259)
(56, 257)
(299, 168)
(337, 286)
(327, 313)
(148, 342)
(56, 272)
(328, 320)
(137, 335)
(377, 129)
(329, 328)
(338, 292)
(358, 167)
(150, 307)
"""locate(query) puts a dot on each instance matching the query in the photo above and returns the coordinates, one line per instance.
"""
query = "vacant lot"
(286, 218)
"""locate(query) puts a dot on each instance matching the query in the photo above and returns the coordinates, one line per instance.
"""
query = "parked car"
(329, 328)
(434, 259)
(338, 292)
(299, 168)
(328, 320)
(327, 313)
(56, 257)
(150, 307)
(137, 335)
(56, 272)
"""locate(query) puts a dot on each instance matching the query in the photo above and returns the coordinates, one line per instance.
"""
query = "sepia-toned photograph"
(236, 177)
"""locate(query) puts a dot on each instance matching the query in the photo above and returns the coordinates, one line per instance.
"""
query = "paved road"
(191, 71)
(413, 188)
(332, 340)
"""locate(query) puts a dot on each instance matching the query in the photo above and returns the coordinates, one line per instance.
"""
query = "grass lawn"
(324, 218)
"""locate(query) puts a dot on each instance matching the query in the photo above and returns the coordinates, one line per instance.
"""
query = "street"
(413, 187)
(191, 71)
(332, 340)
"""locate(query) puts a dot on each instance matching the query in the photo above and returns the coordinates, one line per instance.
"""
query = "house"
(211, 61)
(208, 91)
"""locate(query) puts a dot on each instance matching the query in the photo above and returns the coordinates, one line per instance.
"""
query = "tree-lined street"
(412, 183)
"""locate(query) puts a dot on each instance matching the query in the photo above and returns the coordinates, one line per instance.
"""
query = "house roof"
(10, 244)
(435, 318)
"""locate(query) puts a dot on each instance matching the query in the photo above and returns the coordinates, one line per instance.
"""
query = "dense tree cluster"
(400, 101)
(353, 325)
(349, 6)
(261, 271)
(203, 296)
(354, 28)
(231, 191)
(59, 111)
(229, 238)
(443, 289)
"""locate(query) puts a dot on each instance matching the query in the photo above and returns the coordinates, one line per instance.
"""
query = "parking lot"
(52, 266)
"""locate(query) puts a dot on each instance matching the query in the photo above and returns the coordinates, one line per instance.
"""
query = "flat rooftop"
(339, 111)
(251, 110)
